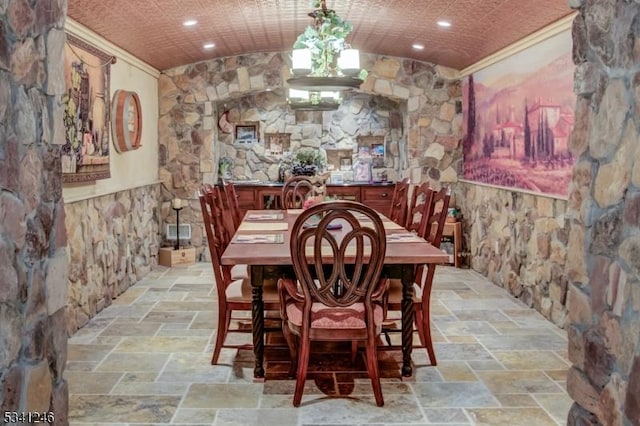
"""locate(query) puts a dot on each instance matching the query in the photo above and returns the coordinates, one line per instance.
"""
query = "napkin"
(259, 238)
(263, 226)
(264, 216)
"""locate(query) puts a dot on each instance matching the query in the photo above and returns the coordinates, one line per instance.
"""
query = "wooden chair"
(233, 294)
(232, 202)
(423, 278)
(400, 202)
(418, 209)
(328, 303)
(298, 188)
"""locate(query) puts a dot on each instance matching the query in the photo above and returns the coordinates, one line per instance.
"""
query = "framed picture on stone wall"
(276, 144)
(85, 154)
(518, 116)
(246, 133)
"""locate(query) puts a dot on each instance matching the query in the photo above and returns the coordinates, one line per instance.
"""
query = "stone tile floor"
(146, 360)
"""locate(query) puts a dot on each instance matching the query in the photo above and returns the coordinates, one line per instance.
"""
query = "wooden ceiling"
(152, 30)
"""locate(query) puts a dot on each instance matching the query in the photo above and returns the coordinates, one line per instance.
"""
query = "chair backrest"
(216, 234)
(437, 216)
(320, 257)
(297, 189)
(419, 209)
(400, 202)
(232, 201)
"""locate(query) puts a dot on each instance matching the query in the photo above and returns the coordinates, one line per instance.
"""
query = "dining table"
(262, 241)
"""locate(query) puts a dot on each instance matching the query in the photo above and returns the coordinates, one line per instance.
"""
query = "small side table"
(454, 230)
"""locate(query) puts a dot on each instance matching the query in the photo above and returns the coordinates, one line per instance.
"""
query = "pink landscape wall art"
(518, 118)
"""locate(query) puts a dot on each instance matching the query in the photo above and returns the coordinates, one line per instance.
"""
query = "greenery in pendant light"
(325, 39)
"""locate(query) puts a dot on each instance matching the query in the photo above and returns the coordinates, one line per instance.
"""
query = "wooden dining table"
(262, 240)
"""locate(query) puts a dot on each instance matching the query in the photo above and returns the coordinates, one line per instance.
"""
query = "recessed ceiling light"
(189, 23)
(209, 45)
(417, 46)
(443, 23)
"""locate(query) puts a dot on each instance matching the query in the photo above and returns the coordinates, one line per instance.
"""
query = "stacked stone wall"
(113, 242)
(519, 241)
(604, 204)
(33, 254)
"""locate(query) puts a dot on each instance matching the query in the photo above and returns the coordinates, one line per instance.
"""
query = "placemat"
(386, 223)
(404, 237)
(263, 226)
(264, 216)
(259, 239)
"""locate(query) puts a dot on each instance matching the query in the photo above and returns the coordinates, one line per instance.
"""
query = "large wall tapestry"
(85, 154)
(518, 118)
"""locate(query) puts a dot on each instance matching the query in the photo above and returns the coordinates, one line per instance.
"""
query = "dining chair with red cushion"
(423, 280)
(338, 293)
(232, 202)
(233, 294)
(296, 190)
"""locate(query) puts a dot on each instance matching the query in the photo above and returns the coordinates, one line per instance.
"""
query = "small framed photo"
(276, 144)
(337, 178)
(246, 133)
(345, 163)
(377, 155)
(362, 172)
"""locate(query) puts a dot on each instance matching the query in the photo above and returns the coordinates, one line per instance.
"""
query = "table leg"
(257, 320)
(407, 319)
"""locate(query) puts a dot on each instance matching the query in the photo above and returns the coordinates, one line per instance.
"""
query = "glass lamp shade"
(298, 95)
(330, 96)
(349, 62)
(301, 61)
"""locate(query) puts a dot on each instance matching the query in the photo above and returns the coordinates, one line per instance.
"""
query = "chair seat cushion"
(240, 291)
(322, 316)
(239, 272)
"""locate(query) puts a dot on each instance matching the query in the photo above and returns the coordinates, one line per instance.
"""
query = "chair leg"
(426, 329)
(372, 368)
(419, 320)
(303, 365)
(290, 338)
(224, 319)
(354, 351)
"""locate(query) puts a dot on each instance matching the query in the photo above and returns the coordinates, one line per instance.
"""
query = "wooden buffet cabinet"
(267, 195)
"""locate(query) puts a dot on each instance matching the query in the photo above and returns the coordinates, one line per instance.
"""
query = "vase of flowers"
(224, 168)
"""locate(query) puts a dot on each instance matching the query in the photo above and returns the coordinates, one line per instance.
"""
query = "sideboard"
(266, 195)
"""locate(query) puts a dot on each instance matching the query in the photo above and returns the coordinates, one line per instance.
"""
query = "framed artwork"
(277, 143)
(377, 155)
(335, 156)
(337, 178)
(246, 133)
(126, 121)
(518, 117)
(362, 172)
(85, 154)
(345, 164)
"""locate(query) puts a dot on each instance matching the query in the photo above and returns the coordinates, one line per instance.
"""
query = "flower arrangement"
(224, 166)
(313, 200)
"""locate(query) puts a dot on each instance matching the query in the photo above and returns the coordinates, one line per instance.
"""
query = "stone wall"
(190, 96)
(33, 256)
(113, 242)
(326, 132)
(519, 241)
(604, 203)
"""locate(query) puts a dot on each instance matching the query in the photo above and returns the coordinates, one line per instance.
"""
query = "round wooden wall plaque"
(126, 120)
